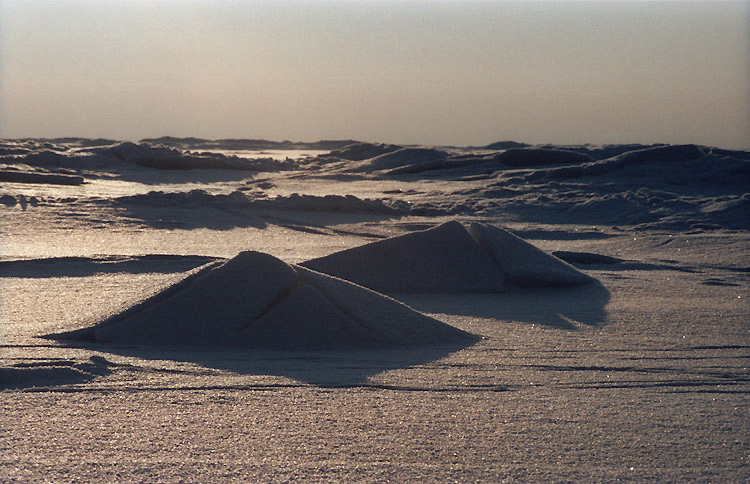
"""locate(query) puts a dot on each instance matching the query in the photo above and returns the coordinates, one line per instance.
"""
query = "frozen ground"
(642, 377)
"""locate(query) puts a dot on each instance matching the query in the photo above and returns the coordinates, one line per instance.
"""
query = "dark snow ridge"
(240, 200)
(399, 158)
(247, 144)
(167, 158)
(257, 301)
(14, 176)
(666, 187)
(546, 160)
(361, 151)
(526, 157)
(489, 162)
(94, 156)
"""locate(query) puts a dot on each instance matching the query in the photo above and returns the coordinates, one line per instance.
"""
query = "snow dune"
(257, 301)
(449, 259)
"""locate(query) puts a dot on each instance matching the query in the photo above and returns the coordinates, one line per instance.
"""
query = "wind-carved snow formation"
(450, 259)
(255, 300)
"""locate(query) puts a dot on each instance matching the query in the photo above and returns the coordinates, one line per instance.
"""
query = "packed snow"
(177, 309)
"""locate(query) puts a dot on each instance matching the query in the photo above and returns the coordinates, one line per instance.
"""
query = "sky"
(462, 72)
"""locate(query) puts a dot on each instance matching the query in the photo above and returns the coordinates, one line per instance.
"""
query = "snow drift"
(257, 301)
(399, 158)
(245, 201)
(523, 264)
(449, 259)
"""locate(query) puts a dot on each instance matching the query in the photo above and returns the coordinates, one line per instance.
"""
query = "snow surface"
(641, 376)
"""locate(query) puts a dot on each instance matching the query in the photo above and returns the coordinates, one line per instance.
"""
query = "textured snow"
(640, 376)
(255, 300)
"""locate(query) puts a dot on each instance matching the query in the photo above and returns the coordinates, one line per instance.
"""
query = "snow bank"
(79, 154)
(56, 160)
(167, 158)
(361, 151)
(526, 157)
(672, 187)
(13, 176)
(419, 160)
(240, 200)
(449, 259)
(257, 301)
(399, 158)
(651, 157)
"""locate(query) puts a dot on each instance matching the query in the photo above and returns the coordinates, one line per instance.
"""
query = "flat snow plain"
(641, 377)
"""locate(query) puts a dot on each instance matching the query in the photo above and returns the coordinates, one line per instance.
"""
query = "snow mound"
(13, 176)
(523, 264)
(449, 259)
(399, 158)
(442, 259)
(257, 301)
(526, 157)
(167, 158)
(362, 151)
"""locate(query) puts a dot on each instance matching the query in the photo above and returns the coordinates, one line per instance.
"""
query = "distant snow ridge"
(449, 259)
(361, 151)
(400, 158)
(527, 157)
(257, 301)
(240, 200)
(80, 154)
(167, 158)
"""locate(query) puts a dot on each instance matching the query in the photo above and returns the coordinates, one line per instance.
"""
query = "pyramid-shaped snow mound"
(449, 259)
(257, 301)
(442, 259)
(523, 264)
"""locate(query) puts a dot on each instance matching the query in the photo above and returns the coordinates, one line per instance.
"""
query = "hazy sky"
(428, 72)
